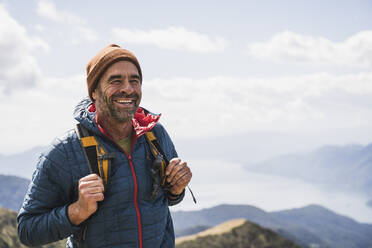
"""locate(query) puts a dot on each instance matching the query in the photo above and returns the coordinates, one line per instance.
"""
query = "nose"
(126, 87)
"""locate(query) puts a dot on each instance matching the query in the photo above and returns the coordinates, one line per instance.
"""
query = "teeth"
(125, 101)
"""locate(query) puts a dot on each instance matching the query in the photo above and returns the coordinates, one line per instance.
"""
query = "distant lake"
(215, 182)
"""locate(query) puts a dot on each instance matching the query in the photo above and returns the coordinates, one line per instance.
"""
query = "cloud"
(32, 105)
(226, 105)
(202, 107)
(48, 10)
(18, 67)
(292, 47)
(173, 38)
(34, 117)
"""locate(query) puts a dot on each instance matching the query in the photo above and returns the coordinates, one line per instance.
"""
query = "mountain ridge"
(235, 233)
(21, 164)
(291, 224)
(348, 167)
(215, 230)
(12, 191)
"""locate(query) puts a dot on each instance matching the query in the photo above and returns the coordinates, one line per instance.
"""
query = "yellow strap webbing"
(150, 135)
(89, 141)
(151, 138)
(103, 164)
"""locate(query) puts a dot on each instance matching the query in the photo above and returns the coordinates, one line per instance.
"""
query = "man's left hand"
(178, 175)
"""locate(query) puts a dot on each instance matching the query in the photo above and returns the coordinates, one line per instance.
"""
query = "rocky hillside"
(235, 233)
(8, 232)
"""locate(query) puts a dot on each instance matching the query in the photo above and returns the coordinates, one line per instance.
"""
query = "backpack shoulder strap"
(156, 151)
(98, 159)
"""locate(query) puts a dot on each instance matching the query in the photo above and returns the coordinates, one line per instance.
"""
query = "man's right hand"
(90, 192)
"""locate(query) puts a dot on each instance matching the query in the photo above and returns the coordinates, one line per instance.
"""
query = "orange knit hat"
(106, 57)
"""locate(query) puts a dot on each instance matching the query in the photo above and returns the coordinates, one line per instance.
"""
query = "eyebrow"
(136, 76)
(114, 77)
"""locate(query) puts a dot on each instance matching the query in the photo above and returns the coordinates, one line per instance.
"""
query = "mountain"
(21, 164)
(216, 215)
(221, 213)
(191, 230)
(347, 167)
(369, 203)
(8, 232)
(312, 226)
(12, 191)
(334, 229)
(235, 233)
(216, 230)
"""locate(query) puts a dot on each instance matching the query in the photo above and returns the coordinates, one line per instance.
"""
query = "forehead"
(123, 68)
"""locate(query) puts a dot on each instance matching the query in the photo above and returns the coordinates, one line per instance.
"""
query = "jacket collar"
(142, 122)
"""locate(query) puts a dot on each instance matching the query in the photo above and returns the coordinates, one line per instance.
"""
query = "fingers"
(178, 175)
(175, 166)
(179, 172)
(93, 193)
(182, 179)
(91, 188)
(172, 164)
(90, 192)
(97, 197)
(91, 178)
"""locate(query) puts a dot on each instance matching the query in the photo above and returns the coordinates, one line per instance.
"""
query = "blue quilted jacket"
(127, 217)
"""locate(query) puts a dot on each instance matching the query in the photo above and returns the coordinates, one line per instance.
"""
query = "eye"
(134, 81)
(115, 82)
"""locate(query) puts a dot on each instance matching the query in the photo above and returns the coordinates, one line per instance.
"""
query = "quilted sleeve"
(165, 142)
(170, 151)
(43, 217)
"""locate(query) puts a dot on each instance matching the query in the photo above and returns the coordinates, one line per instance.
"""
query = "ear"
(94, 94)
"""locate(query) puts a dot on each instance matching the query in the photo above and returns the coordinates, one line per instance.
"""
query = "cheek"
(108, 92)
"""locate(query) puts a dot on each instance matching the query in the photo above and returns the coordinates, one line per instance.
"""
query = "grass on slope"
(8, 232)
(237, 234)
(219, 229)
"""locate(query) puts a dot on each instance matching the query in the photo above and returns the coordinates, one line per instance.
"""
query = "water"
(217, 182)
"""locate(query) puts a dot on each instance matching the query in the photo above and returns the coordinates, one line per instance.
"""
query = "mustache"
(123, 95)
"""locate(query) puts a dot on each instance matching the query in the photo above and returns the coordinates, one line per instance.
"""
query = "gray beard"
(111, 111)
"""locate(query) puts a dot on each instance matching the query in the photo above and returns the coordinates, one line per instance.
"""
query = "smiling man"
(125, 208)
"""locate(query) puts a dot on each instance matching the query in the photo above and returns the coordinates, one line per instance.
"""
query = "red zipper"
(129, 157)
(135, 200)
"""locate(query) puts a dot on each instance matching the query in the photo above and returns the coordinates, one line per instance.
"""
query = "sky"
(268, 77)
(213, 69)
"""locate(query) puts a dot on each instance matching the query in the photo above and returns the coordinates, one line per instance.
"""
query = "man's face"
(118, 93)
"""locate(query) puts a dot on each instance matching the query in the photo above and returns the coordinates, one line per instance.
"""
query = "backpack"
(99, 159)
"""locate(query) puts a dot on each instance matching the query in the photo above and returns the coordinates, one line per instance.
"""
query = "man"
(66, 200)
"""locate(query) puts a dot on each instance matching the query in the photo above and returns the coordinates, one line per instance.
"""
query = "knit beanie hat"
(106, 57)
